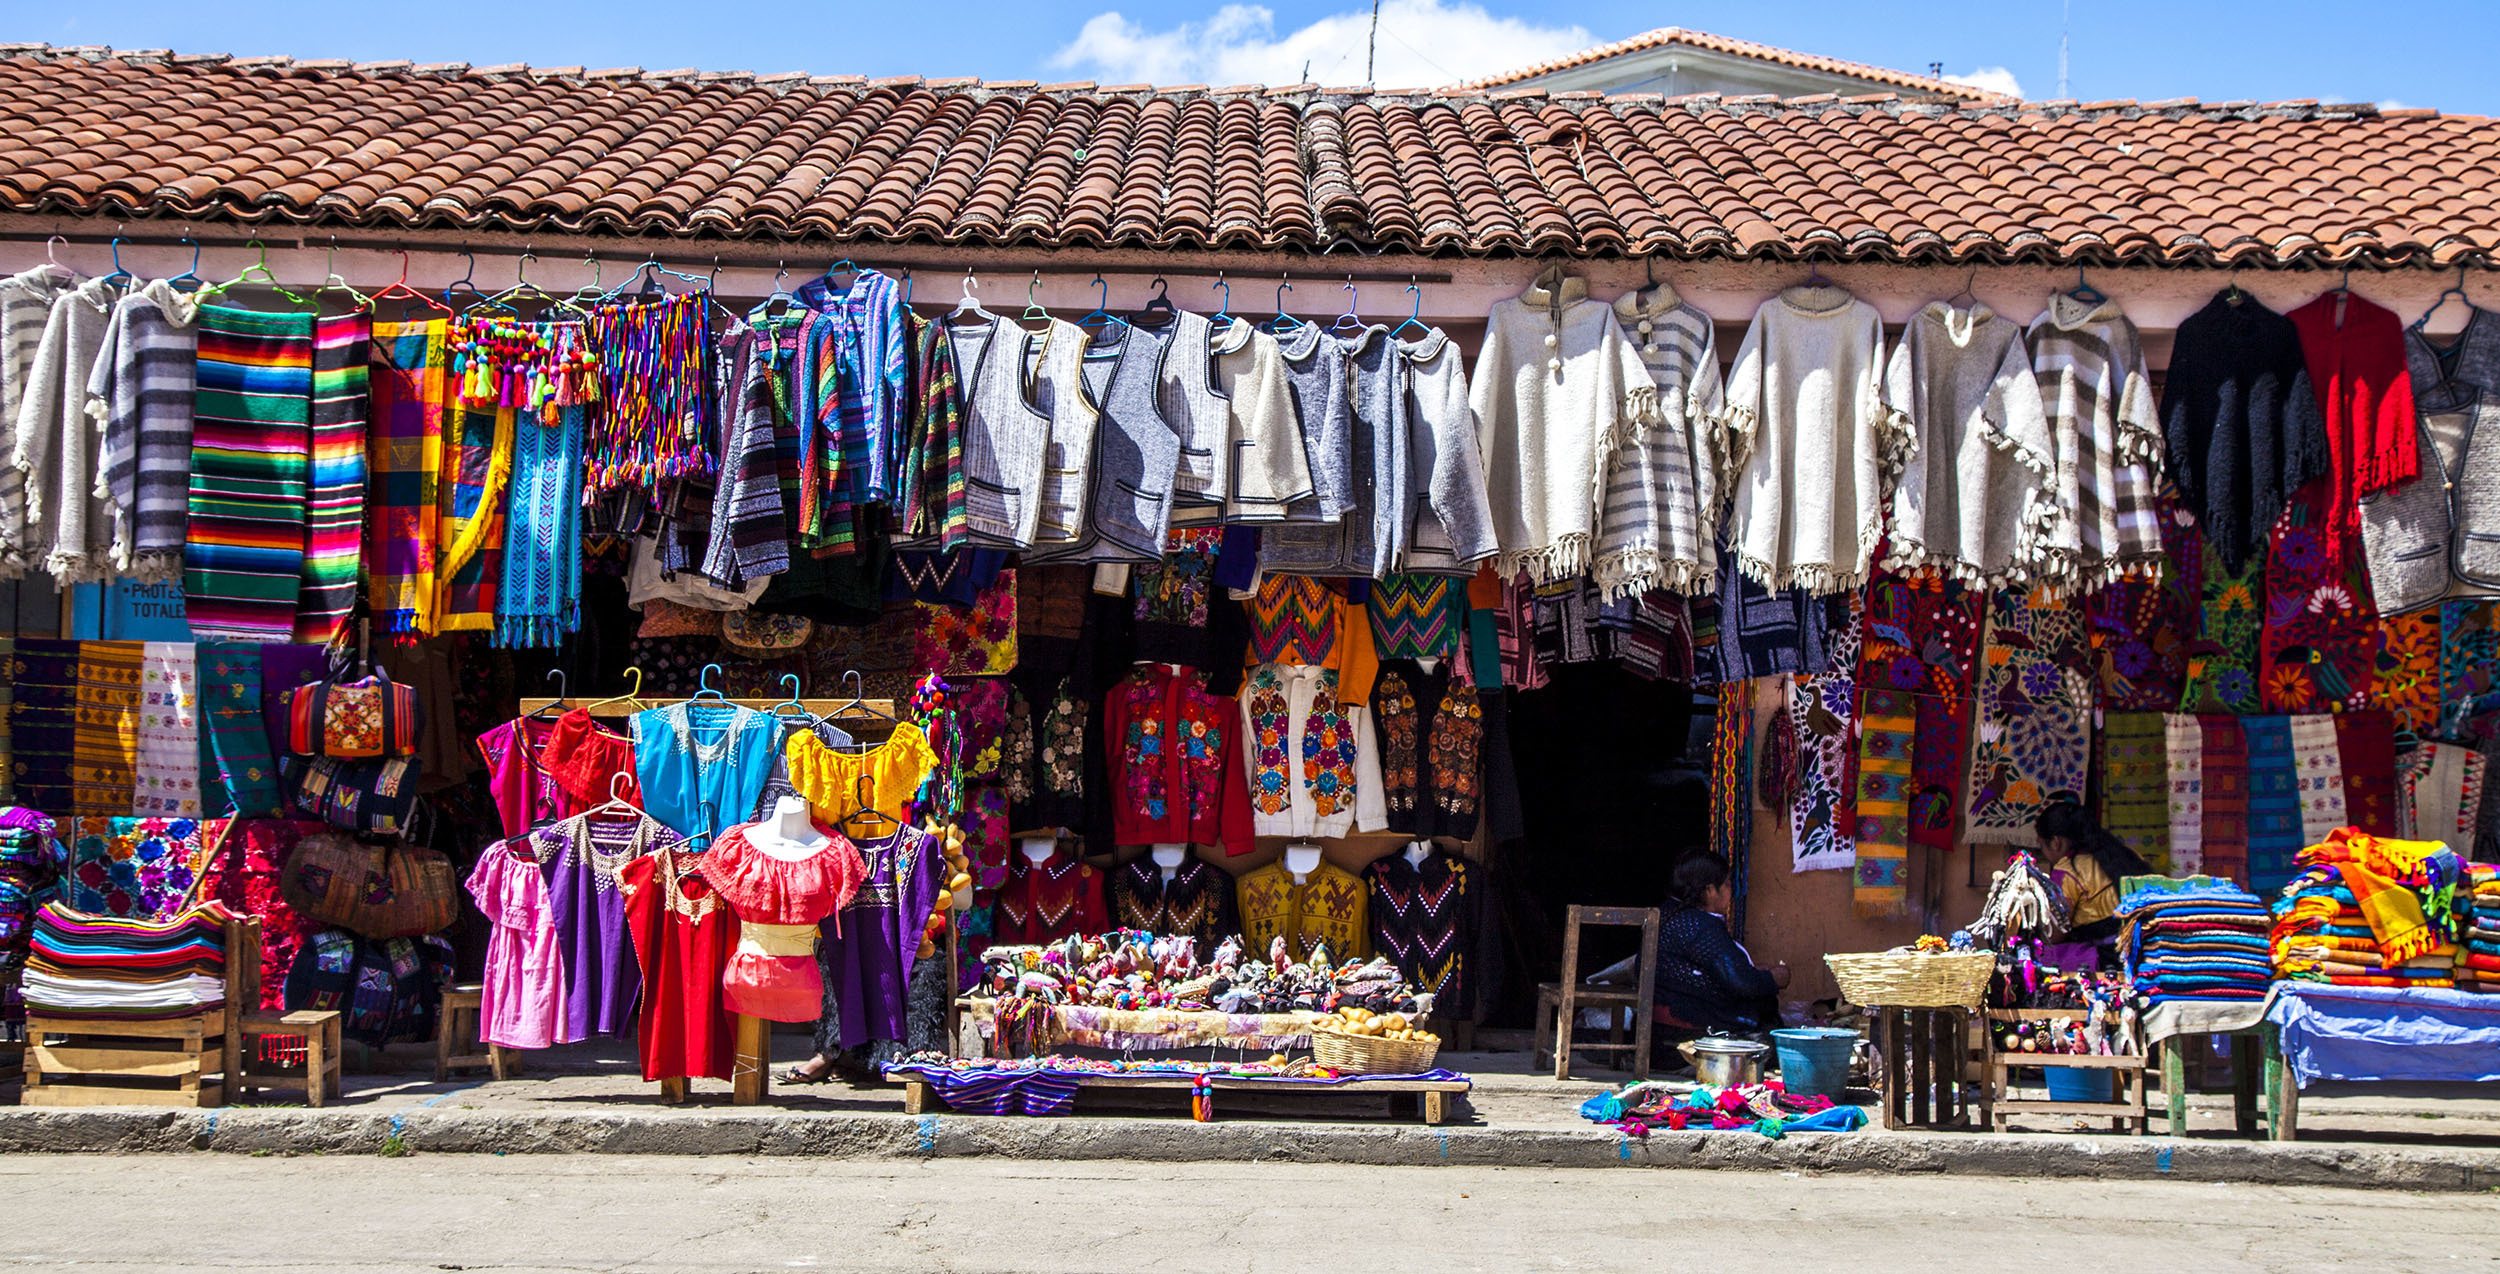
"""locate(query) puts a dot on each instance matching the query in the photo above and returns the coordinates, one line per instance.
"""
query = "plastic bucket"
(1814, 1060)
(2081, 1083)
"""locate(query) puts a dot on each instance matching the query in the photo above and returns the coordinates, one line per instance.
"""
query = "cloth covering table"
(2378, 1034)
(1091, 1026)
(2245, 1020)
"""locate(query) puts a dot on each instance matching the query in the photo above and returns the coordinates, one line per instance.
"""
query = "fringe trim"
(12, 562)
(1566, 558)
(76, 567)
(2140, 446)
(1818, 579)
(156, 566)
(529, 632)
(1736, 432)
(1896, 440)
(1633, 572)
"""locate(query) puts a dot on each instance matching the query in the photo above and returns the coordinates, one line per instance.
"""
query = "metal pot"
(1725, 1063)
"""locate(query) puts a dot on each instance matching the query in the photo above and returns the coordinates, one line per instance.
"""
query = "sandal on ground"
(798, 1075)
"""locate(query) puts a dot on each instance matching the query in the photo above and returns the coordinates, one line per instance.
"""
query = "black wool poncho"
(2241, 421)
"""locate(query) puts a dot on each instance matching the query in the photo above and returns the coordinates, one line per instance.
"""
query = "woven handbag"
(379, 891)
(373, 797)
(352, 720)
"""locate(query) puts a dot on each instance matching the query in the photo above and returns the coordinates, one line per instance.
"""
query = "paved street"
(606, 1213)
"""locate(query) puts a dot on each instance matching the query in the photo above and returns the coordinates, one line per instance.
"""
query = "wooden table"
(1924, 1056)
(1433, 1094)
(2127, 1112)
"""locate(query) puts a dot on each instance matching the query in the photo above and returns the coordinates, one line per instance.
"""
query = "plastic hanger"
(1283, 322)
(1224, 312)
(257, 270)
(616, 802)
(468, 279)
(858, 686)
(1348, 321)
(1414, 314)
(1158, 307)
(633, 692)
(1101, 317)
(2084, 291)
(522, 287)
(595, 291)
(119, 275)
(192, 274)
(330, 279)
(906, 301)
(399, 287)
(2456, 290)
(790, 680)
(54, 261)
(1034, 310)
(703, 691)
(557, 707)
(864, 806)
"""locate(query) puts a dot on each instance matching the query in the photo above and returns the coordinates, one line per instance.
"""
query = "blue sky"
(2120, 48)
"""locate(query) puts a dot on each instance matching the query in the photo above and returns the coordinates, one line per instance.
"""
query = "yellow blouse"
(2091, 896)
(830, 779)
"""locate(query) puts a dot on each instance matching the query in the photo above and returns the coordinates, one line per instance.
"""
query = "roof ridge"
(1475, 91)
(1659, 37)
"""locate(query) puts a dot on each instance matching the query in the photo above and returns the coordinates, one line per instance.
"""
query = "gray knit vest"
(1004, 432)
(1136, 451)
(1186, 393)
(2438, 536)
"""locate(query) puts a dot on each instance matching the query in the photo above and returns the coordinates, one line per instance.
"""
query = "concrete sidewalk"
(590, 1099)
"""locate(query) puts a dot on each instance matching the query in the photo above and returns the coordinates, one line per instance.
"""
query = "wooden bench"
(919, 1095)
(458, 1018)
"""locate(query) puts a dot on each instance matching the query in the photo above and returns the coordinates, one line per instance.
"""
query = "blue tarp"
(2387, 1034)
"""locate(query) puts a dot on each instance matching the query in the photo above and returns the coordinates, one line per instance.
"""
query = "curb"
(887, 1137)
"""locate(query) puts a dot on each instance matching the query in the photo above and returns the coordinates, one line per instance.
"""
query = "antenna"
(1371, 48)
(2065, 26)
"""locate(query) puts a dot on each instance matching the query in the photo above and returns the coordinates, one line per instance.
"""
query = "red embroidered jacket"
(1176, 762)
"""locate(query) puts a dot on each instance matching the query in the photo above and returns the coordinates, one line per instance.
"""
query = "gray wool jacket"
(2438, 536)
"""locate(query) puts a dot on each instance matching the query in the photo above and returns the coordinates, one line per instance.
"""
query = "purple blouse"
(581, 857)
(881, 931)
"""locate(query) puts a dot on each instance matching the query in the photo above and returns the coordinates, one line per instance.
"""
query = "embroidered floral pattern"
(1457, 740)
(973, 641)
(1328, 750)
(1148, 784)
(1268, 794)
(1400, 729)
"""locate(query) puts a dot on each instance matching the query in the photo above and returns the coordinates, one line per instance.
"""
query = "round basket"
(1890, 979)
(1371, 1055)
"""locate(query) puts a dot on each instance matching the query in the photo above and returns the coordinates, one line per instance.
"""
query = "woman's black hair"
(1696, 874)
(2067, 819)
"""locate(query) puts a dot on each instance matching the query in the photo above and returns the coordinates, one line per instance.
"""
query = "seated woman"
(2087, 863)
(1707, 982)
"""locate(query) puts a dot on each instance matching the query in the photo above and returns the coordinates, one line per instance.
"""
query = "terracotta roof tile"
(1664, 37)
(844, 158)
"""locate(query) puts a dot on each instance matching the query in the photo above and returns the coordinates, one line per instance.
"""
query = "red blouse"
(682, 937)
(773, 973)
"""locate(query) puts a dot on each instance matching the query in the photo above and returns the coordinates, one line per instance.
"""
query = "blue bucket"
(1814, 1060)
(2081, 1083)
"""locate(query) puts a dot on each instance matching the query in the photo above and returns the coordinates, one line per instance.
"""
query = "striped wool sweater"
(1661, 498)
(750, 538)
(25, 304)
(141, 394)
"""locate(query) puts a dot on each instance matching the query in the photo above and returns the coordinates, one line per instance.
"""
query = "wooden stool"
(316, 1079)
(2126, 1111)
(458, 1018)
(1558, 1003)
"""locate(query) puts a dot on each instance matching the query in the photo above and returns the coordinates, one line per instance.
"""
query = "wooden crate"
(2126, 1114)
(176, 1062)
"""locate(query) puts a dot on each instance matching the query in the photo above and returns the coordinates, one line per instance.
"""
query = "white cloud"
(1994, 79)
(1423, 43)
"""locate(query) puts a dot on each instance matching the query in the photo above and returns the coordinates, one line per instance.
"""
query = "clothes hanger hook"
(64, 242)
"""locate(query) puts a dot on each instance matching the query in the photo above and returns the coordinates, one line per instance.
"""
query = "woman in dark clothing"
(1706, 980)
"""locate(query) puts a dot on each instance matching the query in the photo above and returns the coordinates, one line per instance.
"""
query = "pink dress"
(773, 974)
(522, 1003)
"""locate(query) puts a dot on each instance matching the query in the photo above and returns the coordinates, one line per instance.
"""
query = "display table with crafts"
(1135, 1030)
(1052, 1085)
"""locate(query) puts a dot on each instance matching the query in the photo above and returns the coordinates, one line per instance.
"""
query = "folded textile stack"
(103, 968)
(2196, 940)
(2478, 969)
(2369, 911)
(31, 859)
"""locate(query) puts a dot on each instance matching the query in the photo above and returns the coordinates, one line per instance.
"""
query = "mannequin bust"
(1301, 860)
(791, 833)
(1038, 849)
(1169, 858)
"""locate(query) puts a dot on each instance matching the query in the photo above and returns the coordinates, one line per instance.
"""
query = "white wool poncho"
(1809, 440)
(69, 528)
(1661, 502)
(2089, 362)
(1977, 497)
(1557, 388)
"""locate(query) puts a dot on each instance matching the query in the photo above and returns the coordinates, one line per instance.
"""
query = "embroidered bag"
(379, 891)
(352, 719)
(375, 797)
(764, 633)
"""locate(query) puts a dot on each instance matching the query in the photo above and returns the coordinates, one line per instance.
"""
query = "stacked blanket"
(2204, 939)
(107, 968)
(2478, 968)
(2370, 911)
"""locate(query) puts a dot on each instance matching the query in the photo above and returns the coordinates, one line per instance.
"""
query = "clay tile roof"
(844, 159)
(1664, 37)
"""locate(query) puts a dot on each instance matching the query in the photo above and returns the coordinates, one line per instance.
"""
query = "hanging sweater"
(69, 527)
(1431, 731)
(1295, 619)
(2089, 363)
(2239, 421)
(140, 394)
(1264, 454)
(750, 536)
(1005, 431)
(1176, 762)
(1313, 766)
(25, 308)
(1054, 361)
(1558, 389)
(1371, 537)
(1809, 441)
(2355, 355)
(1448, 526)
(1317, 381)
(1661, 504)
(1196, 903)
(1977, 498)
(1126, 477)
(1185, 394)
(2438, 536)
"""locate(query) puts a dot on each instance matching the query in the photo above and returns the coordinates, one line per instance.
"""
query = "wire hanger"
(1101, 317)
(1969, 292)
(1283, 322)
(2456, 290)
(522, 287)
(467, 279)
(633, 691)
(1034, 310)
(1224, 312)
(192, 274)
(330, 279)
(399, 287)
(858, 686)
(1348, 322)
(257, 270)
(1414, 313)
(2084, 291)
(556, 706)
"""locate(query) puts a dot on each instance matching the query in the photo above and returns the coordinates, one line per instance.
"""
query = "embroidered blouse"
(1424, 921)
(1313, 765)
(773, 973)
(1329, 906)
(580, 858)
(702, 765)
(830, 780)
(1060, 897)
(1176, 769)
(521, 998)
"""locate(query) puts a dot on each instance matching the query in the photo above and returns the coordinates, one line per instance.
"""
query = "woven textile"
(334, 527)
(2222, 666)
(2033, 743)
(2135, 782)
(2320, 765)
(1819, 815)
(2406, 683)
(469, 519)
(136, 868)
(235, 743)
(167, 778)
(43, 720)
(2184, 747)
(2141, 626)
(2469, 660)
(2274, 818)
(1887, 720)
(1731, 764)
(2318, 648)
(1761, 633)
(540, 598)
(404, 461)
(2365, 743)
(2224, 840)
(104, 758)
(243, 561)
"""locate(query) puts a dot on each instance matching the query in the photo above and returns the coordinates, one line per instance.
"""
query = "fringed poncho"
(1809, 439)
(1558, 387)
(2242, 425)
(2089, 363)
(140, 396)
(1977, 495)
(1661, 501)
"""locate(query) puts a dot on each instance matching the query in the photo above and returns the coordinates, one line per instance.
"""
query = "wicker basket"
(1891, 979)
(1371, 1054)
